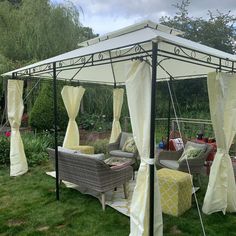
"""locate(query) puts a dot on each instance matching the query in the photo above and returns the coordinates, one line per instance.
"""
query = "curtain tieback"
(222, 151)
(149, 161)
(14, 129)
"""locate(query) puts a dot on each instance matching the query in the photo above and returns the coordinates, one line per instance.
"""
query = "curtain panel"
(72, 97)
(221, 190)
(118, 95)
(138, 86)
(15, 108)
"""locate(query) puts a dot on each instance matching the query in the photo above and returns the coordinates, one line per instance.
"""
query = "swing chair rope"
(178, 126)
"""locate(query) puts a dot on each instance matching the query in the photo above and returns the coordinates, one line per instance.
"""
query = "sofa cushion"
(99, 156)
(119, 153)
(172, 164)
(123, 138)
(192, 151)
(67, 150)
(129, 145)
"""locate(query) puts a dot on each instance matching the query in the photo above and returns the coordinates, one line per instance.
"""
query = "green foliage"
(94, 122)
(100, 146)
(42, 116)
(36, 30)
(216, 30)
(4, 150)
(35, 147)
(98, 100)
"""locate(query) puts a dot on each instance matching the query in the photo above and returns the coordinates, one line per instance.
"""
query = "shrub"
(94, 122)
(35, 147)
(100, 146)
(4, 150)
(41, 115)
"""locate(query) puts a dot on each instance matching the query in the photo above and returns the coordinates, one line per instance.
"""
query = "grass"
(28, 207)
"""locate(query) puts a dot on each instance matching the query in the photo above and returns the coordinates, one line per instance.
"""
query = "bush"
(100, 146)
(35, 147)
(4, 150)
(94, 122)
(41, 115)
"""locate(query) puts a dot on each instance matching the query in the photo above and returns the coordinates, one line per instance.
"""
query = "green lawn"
(28, 207)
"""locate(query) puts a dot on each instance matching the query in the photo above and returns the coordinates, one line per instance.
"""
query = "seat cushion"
(129, 145)
(119, 153)
(123, 138)
(83, 149)
(99, 156)
(67, 150)
(193, 151)
(171, 164)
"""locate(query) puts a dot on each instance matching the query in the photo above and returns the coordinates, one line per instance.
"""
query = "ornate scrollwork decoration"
(176, 50)
(208, 59)
(193, 54)
(137, 48)
(118, 53)
(83, 60)
(100, 56)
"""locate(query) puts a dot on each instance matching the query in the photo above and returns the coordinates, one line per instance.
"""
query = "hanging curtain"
(117, 105)
(15, 108)
(221, 191)
(72, 98)
(138, 88)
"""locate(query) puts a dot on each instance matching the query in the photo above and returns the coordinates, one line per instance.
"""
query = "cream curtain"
(118, 95)
(138, 86)
(72, 98)
(15, 108)
(221, 191)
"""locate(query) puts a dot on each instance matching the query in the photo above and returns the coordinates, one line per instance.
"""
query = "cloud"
(105, 16)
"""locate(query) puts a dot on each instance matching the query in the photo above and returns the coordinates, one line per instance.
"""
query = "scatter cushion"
(192, 151)
(129, 145)
(119, 153)
(67, 150)
(176, 144)
(83, 149)
(99, 156)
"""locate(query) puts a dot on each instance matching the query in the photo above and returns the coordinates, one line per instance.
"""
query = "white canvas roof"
(105, 58)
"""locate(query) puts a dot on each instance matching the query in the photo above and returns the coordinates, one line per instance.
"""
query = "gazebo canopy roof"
(104, 59)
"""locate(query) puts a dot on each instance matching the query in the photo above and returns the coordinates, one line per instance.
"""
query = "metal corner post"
(152, 137)
(55, 126)
(169, 114)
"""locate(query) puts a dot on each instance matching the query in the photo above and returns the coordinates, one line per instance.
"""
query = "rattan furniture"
(86, 171)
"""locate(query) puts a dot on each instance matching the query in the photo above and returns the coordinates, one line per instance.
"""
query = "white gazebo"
(138, 56)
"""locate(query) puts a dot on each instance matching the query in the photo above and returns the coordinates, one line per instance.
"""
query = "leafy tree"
(41, 116)
(37, 30)
(216, 30)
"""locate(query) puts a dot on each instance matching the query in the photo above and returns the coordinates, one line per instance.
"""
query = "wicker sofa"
(87, 171)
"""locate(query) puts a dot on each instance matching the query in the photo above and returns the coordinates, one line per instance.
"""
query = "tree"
(37, 30)
(216, 30)
(41, 116)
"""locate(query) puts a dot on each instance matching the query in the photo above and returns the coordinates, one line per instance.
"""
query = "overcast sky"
(104, 16)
